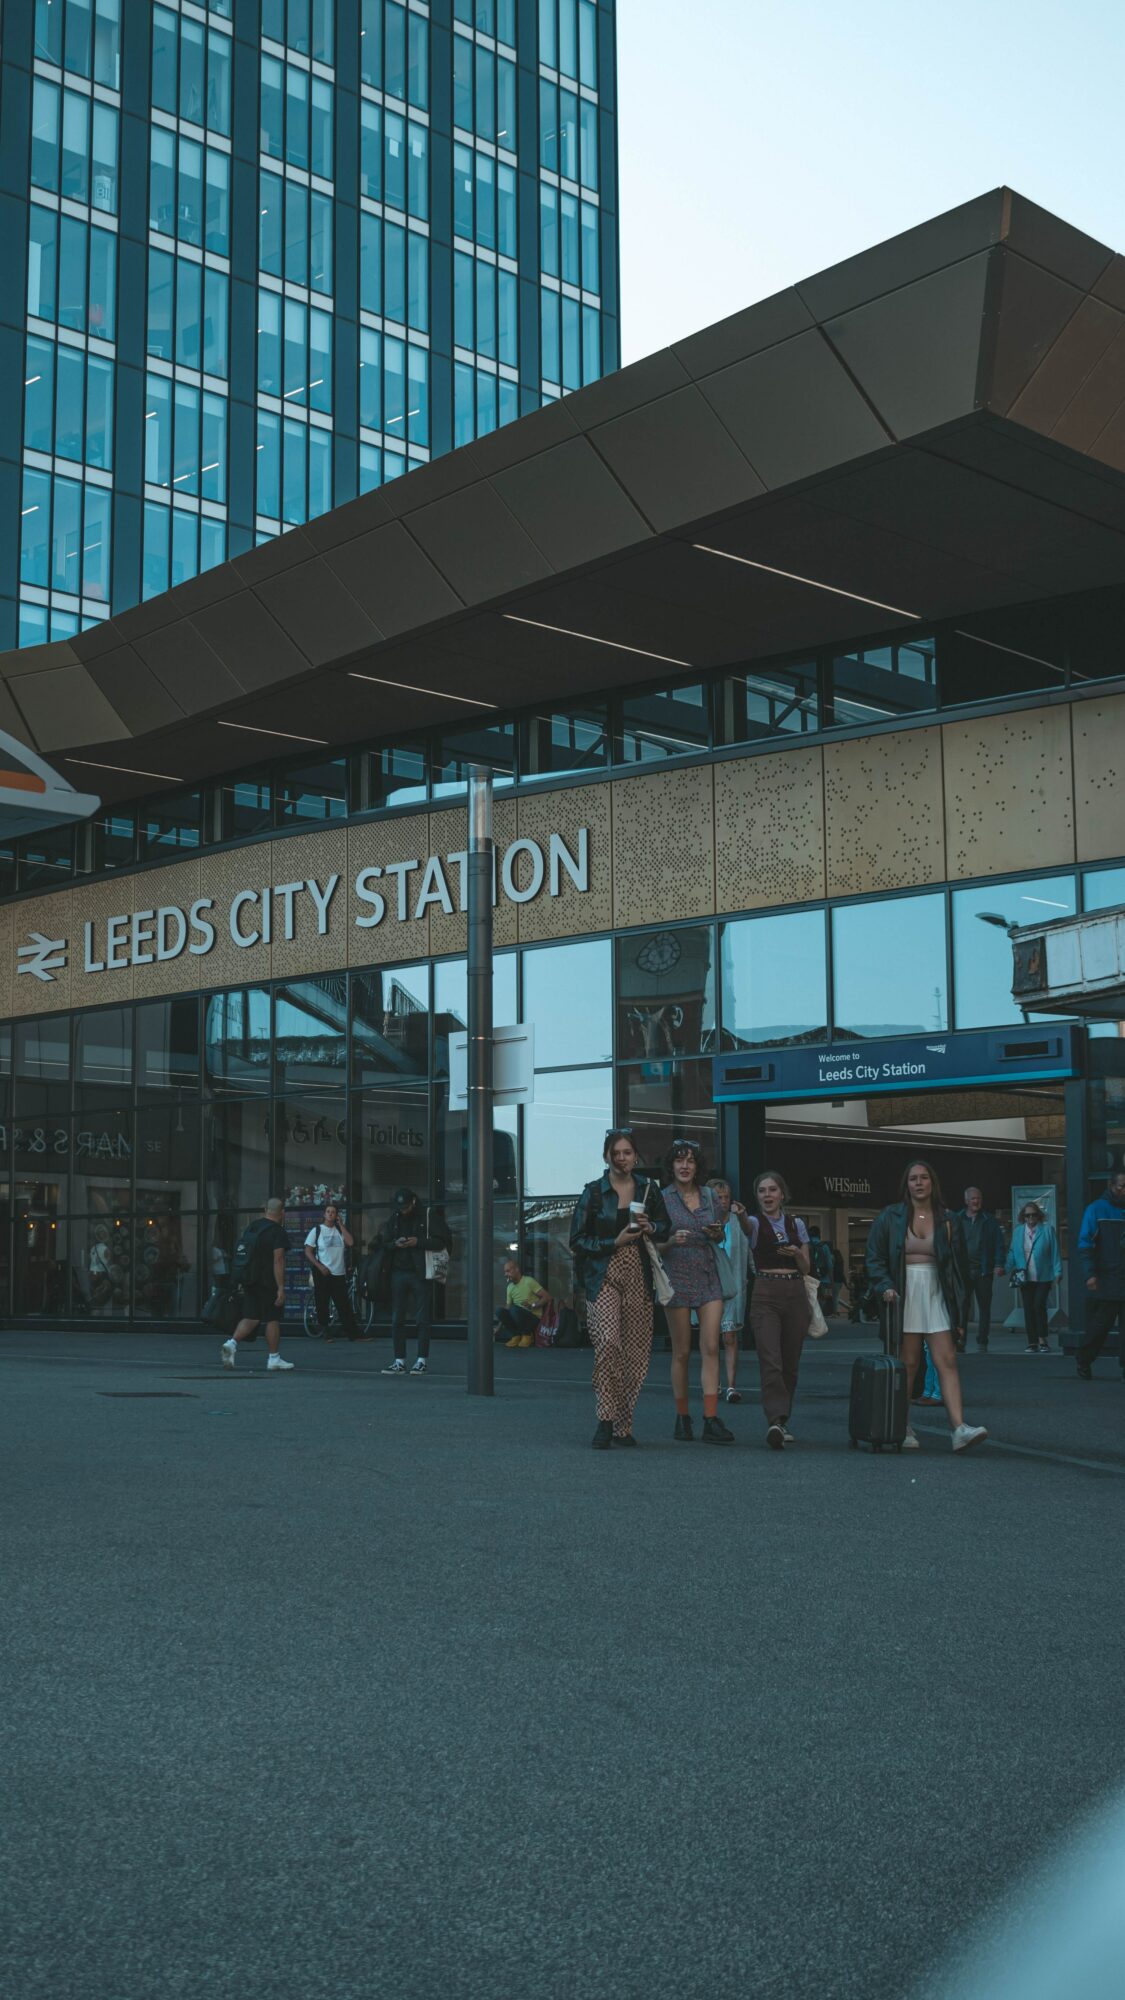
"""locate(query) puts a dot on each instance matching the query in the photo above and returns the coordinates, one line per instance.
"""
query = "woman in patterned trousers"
(613, 1217)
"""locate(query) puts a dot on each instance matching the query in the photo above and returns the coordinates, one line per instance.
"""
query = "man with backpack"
(258, 1271)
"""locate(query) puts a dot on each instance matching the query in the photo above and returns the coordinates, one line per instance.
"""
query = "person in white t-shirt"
(326, 1248)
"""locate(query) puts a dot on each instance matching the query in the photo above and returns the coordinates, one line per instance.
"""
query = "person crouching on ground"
(780, 1310)
(694, 1275)
(614, 1218)
(916, 1252)
(526, 1302)
(736, 1243)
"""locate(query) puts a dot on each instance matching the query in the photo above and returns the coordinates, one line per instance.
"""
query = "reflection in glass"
(236, 1154)
(890, 968)
(167, 1155)
(451, 1133)
(168, 1046)
(314, 791)
(165, 1258)
(565, 741)
(1103, 888)
(666, 992)
(775, 988)
(982, 953)
(101, 1162)
(490, 743)
(236, 1041)
(242, 806)
(41, 1064)
(103, 1056)
(666, 1101)
(668, 722)
(394, 775)
(779, 701)
(390, 1023)
(568, 999)
(102, 1266)
(564, 1130)
(876, 683)
(451, 1300)
(310, 1032)
(390, 1143)
(311, 1148)
(451, 1001)
(171, 823)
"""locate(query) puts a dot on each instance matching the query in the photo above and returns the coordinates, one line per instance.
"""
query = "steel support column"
(480, 1162)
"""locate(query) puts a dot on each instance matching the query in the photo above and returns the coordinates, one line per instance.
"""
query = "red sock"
(683, 1408)
(710, 1406)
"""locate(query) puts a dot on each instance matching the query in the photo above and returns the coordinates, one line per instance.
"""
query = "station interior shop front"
(139, 1139)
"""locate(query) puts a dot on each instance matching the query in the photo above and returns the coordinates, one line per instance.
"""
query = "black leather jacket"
(886, 1258)
(593, 1229)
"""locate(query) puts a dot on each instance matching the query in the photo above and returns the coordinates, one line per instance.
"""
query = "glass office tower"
(265, 255)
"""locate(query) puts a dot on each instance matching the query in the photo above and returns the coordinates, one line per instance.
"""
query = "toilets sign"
(397, 892)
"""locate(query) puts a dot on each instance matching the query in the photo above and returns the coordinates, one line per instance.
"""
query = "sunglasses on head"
(619, 1132)
(684, 1146)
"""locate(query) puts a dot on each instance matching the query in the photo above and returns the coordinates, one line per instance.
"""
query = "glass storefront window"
(236, 1041)
(41, 1064)
(451, 1001)
(663, 1101)
(311, 1148)
(982, 952)
(565, 741)
(889, 968)
(236, 1154)
(103, 1056)
(167, 1171)
(40, 1262)
(390, 1023)
(666, 992)
(168, 1046)
(774, 979)
(667, 722)
(778, 701)
(310, 1033)
(564, 1130)
(451, 1141)
(568, 997)
(878, 683)
(390, 1143)
(101, 1162)
(165, 1253)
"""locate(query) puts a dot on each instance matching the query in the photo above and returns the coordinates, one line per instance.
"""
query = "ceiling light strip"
(411, 687)
(592, 639)
(810, 582)
(126, 770)
(290, 735)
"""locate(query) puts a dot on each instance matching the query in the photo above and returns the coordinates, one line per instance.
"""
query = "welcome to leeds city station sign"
(399, 891)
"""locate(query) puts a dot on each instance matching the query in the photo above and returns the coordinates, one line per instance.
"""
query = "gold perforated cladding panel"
(1008, 795)
(769, 830)
(884, 813)
(1099, 777)
(663, 847)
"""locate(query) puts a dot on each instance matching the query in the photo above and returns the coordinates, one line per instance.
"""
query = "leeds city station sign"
(398, 892)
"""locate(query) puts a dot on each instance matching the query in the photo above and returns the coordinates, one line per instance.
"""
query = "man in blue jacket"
(984, 1241)
(1101, 1257)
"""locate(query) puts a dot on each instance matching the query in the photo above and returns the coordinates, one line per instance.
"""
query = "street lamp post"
(480, 1160)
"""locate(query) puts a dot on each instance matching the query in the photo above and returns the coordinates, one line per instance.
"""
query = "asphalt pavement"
(324, 1684)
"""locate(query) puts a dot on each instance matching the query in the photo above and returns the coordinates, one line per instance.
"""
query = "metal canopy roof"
(930, 428)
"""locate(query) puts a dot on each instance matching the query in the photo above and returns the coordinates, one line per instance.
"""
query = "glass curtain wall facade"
(272, 253)
(137, 1140)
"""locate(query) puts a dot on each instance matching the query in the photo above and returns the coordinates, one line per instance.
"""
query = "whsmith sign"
(906, 1062)
(398, 891)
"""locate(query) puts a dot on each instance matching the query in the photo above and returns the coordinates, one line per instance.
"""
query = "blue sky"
(762, 140)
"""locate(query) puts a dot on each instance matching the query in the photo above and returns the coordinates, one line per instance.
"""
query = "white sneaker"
(275, 1362)
(910, 1442)
(419, 1367)
(395, 1368)
(967, 1434)
(787, 1435)
(228, 1350)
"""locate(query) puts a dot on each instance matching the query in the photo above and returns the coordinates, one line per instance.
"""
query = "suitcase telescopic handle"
(891, 1342)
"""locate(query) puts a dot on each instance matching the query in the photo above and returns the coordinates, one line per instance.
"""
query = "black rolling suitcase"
(879, 1409)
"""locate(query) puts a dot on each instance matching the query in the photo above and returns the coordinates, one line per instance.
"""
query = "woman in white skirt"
(916, 1252)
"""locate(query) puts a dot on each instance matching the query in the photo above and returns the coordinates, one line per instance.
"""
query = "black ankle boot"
(603, 1436)
(716, 1432)
(683, 1432)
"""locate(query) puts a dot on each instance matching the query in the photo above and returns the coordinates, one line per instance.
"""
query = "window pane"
(41, 261)
(236, 1042)
(66, 536)
(170, 823)
(312, 1150)
(666, 723)
(103, 1056)
(35, 529)
(236, 1157)
(777, 702)
(1004, 652)
(315, 791)
(395, 775)
(99, 412)
(775, 987)
(666, 993)
(391, 1142)
(566, 1033)
(451, 1001)
(878, 682)
(564, 1130)
(569, 740)
(310, 1033)
(492, 744)
(664, 1101)
(889, 968)
(39, 395)
(46, 858)
(168, 1046)
(41, 1065)
(982, 952)
(390, 1023)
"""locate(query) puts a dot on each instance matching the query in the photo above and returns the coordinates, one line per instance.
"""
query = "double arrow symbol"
(44, 956)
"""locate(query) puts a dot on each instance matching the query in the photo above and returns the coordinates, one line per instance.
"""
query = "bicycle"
(362, 1308)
